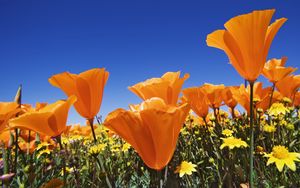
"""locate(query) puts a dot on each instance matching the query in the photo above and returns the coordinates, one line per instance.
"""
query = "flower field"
(203, 136)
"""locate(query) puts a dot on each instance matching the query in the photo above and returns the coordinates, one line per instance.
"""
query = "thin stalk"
(216, 115)
(28, 141)
(251, 136)
(58, 138)
(91, 122)
(159, 175)
(16, 150)
(17, 99)
(271, 97)
(99, 160)
(166, 175)
(100, 163)
(232, 113)
(4, 156)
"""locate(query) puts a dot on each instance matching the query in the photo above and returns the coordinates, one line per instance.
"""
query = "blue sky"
(133, 40)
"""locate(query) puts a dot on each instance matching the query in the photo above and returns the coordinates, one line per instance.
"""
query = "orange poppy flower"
(213, 94)
(274, 69)
(261, 96)
(288, 86)
(197, 100)
(167, 87)
(50, 120)
(246, 41)
(227, 96)
(87, 86)
(28, 108)
(152, 131)
(7, 111)
(24, 134)
(24, 146)
(263, 101)
(79, 130)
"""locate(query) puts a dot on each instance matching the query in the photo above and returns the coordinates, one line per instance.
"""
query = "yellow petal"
(279, 165)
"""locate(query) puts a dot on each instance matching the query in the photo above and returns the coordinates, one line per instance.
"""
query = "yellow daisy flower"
(42, 144)
(269, 128)
(286, 100)
(96, 149)
(290, 126)
(281, 156)
(68, 170)
(126, 147)
(185, 168)
(233, 142)
(277, 109)
(42, 152)
(227, 132)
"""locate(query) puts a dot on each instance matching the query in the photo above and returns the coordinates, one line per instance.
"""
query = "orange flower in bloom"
(28, 108)
(152, 131)
(213, 94)
(288, 86)
(50, 120)
(227, 96)
(87, 86)
(263, 101)
(79, 130)
(274, 69)
(24, 134)
(167, 87)
(7, 111)
(246, 41)
(261, 96)
(197, 100)
(24, 146)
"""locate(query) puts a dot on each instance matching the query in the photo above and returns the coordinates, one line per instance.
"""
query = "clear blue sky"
(133, 40)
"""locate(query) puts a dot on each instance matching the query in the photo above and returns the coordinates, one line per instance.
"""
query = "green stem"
(91, 122)
(271, 97)
(216, 115)
(4, 156)
(100, 163)
(232, 113)
(28, 141)
(58, 138)
(251, 136)
(16, 150)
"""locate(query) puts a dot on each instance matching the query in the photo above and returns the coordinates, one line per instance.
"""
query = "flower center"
(280, 152)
